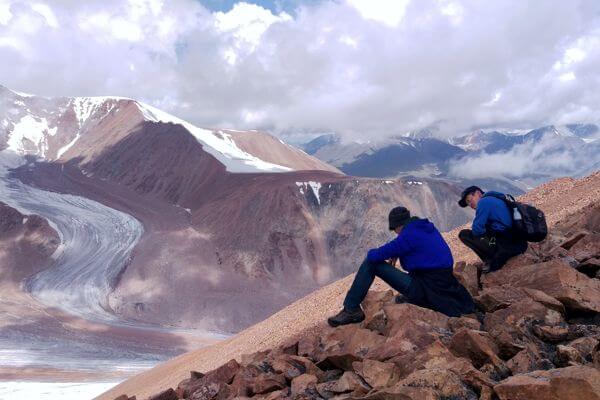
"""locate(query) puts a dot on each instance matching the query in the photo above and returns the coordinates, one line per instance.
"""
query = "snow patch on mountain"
(28, 137)
(314, 186)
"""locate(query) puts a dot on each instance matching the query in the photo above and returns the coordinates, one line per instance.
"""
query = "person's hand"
(392, 261)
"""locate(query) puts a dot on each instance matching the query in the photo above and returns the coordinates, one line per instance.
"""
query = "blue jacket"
(419, 246)
(492, 214)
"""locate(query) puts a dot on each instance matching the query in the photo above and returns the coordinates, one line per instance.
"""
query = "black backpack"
(529, 223)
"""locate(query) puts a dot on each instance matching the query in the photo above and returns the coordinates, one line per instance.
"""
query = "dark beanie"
(399, 216)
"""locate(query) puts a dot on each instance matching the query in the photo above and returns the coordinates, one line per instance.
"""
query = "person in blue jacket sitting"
(491, 236)
(425, 255)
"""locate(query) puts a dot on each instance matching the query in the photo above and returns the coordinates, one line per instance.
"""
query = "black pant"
(494, 249)
(366, 275)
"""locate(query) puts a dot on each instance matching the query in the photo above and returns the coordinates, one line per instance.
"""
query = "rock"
(293, 366)
(303, 384)
(468, 276)
(400, 314)
(589, 267)
(351, 382)
(586, 248)
(571, 383)
(446, 383)
(214, 390)
(407, 338)
(338, 361)
(575, 290)
(487, 393)
(376, 322)
(168, 394)
(223, 374)
(585, 346)
(466, 321)
(254, 358)
(544, 299)
(348, 339)
(567, 355)
(438, 356)
(265, 383)
(478, 347)
(496, 297)
(552, 334)
(571, 240)
(510, 327)
(527, 360)
(376, 373)
(403, 393)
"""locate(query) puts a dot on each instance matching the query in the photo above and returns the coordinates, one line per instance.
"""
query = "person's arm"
(481, 218)
(393, 249)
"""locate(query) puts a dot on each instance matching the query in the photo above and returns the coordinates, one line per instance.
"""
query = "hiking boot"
(346, 317)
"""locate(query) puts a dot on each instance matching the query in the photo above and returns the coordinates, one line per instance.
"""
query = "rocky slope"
(26, 244)
(536, 335)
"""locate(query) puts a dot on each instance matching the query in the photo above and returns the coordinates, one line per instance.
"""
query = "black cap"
(399, 216)
(470, 190)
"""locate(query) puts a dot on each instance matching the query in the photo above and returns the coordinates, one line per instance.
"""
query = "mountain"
(486, 156)
(249, 222)
(65, 129)
(387, 158)
(532, 309)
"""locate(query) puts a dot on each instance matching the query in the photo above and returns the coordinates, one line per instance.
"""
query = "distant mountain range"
(552, 151)
(236, 224)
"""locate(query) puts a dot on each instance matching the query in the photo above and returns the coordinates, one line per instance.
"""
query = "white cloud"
(365, 69)
(384, 11)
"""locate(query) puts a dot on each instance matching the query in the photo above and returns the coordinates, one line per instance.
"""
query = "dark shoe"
(346, 317)
(485, 268)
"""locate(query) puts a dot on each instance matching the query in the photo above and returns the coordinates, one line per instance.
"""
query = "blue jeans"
(365, 276)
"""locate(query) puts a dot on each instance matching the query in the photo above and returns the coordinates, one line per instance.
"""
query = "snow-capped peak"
(221, 146)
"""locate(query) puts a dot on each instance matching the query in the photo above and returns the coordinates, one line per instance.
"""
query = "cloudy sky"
(363, 68)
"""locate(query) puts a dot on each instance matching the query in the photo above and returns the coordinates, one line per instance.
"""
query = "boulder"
(585, 346)
(465, 321)
(407, 338)
(478, 347)
(586, 248)
(572, 239)
(438, 356)
(400, 314)
(468, 276)
(589, 267)
(168, 394)
(446, 383)
(567, 355)
(570, 383)
(527, 360)
(510, 327)
(292, 366)
(304, 384)
(376, 373)
(555, 278)
(552, 334)
(223, 374)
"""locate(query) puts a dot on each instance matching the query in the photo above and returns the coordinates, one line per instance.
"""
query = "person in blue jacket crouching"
(491, 236)
(425, 255)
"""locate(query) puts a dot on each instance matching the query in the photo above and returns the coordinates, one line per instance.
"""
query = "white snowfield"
(53, 391)
(35, 129)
